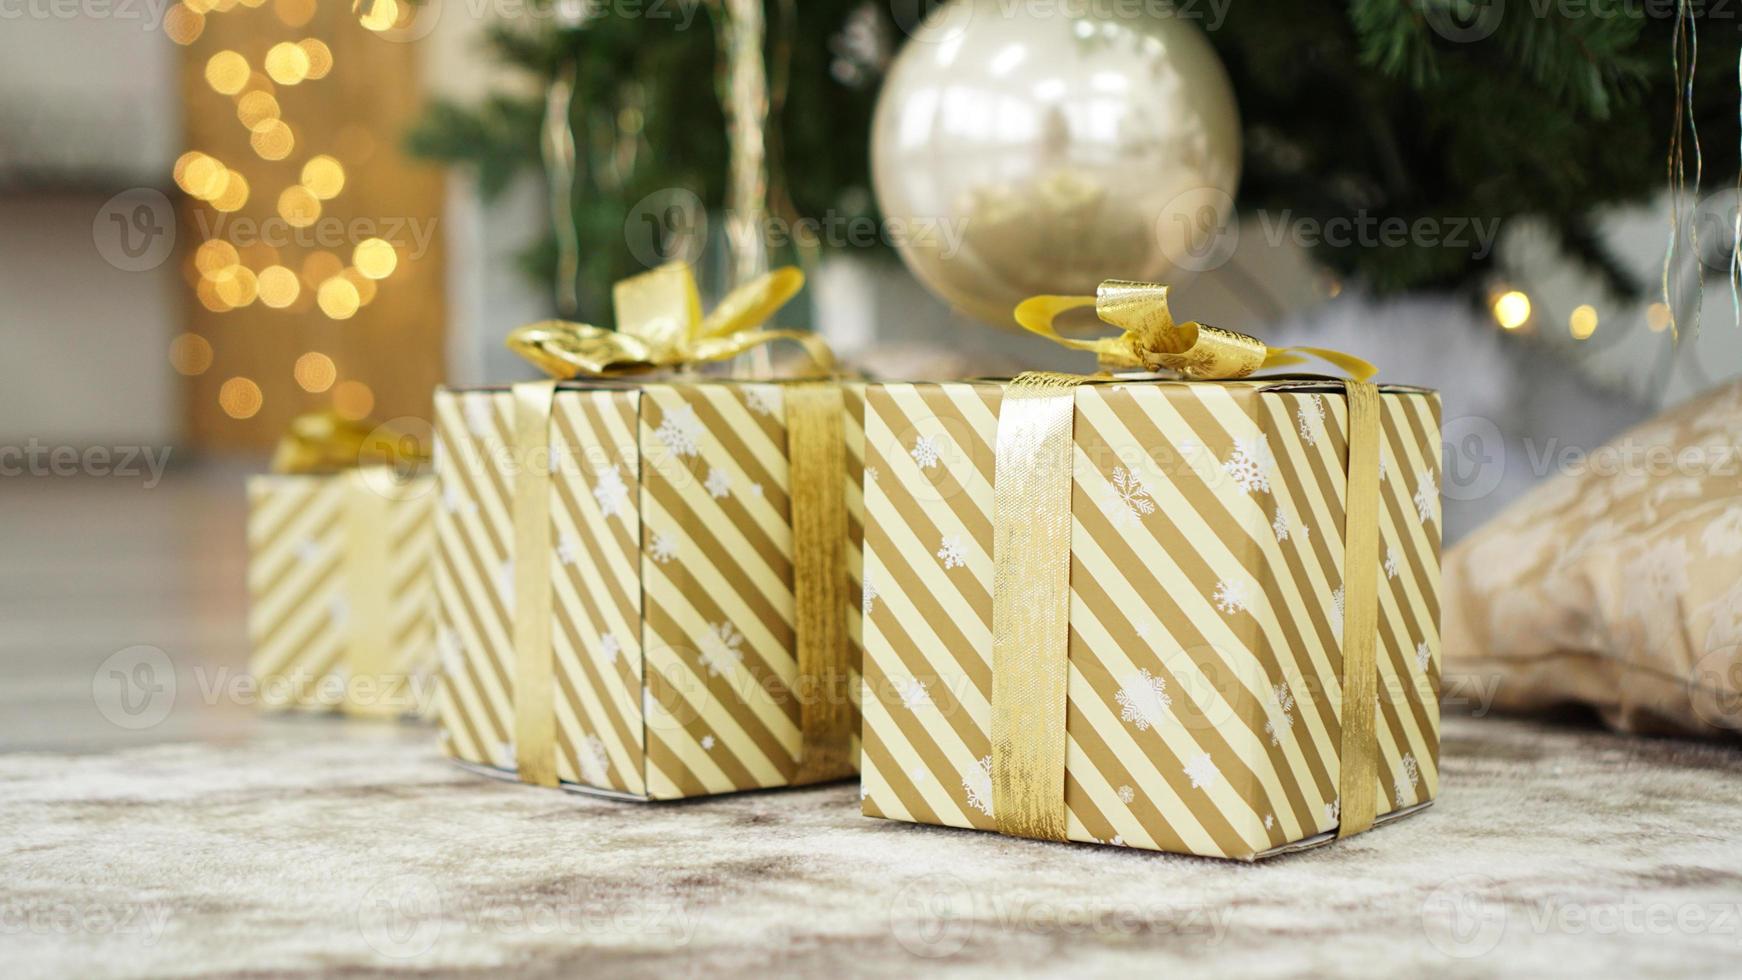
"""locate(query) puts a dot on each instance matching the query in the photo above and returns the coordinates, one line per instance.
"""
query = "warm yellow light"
(1657, 317)
(240, 398)
(272, 139)
(338, 298)
(286, 63)
(201, 7)
(298, 207)
(254, 108)
(190, 354)
(234, 194)
(353, 400)
(227, 72)
(202, 176)
(277, 286)
(315, 372)
(320, 57)
(381, 15)
(1583, 322)
(323, 176)
(1512, 309)
(375, 258)
(365, 286)
(214, 256)
(318, 267)
(236, 286)
(206, 291)
(183, 25)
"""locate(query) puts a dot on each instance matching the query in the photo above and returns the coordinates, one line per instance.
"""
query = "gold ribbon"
(1032, 547)
(1151, 340)
(371, 459)
(661, 327)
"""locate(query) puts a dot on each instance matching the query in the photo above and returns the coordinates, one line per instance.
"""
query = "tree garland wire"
(1685, 47)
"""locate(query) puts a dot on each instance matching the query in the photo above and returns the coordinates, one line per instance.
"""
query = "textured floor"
(210, 841)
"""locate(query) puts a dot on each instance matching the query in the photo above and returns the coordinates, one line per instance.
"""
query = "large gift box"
(643, 585)
(341, 585)
(1175, 615)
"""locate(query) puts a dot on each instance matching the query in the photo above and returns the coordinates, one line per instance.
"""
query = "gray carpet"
(313, 846)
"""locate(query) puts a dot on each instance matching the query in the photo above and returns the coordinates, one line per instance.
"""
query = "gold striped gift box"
(673, 625)
(1201, 712)
(342, 588)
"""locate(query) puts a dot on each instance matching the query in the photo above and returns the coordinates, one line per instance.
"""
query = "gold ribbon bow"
(372, 459)
(1032, 546)
(1151, 340)
(661, 327)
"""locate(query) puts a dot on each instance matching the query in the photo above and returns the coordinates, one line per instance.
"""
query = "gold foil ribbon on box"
(370, 458)
(1031, 534)
(661, 327)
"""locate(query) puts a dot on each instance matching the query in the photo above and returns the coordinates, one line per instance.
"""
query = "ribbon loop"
(1151, 340)
(326, 442)
(660, 326)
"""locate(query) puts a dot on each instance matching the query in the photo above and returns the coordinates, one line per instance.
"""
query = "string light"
(298, 207)
(1512, 309)
(183, 25)
(287, 63)
(323, 176)
(272, 139)
(277, 286)
(227, 72)
(255, 108)
(234, 194)
(1657, 317)
(320, 57)
(375, 258)
(1583, 322)
(338, 298)
(381, 16)
(315, 372)
(240, 398)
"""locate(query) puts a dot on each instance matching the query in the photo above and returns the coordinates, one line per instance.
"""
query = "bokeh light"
(190, 354)
(298, 207)
(375, 258)
(353, 400)
(183, 25)
(277, 286)
(227, 72)
(240, 398)
(320, 57)
(315, 372)
(323, 176)
(1583, 322)
(1512, 309)
(338, 298)
(287, 63)
(272, 139)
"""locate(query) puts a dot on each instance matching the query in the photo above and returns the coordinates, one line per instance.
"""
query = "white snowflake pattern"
(610, 648)
(612, 494)
(448, 649)
(952, 552)
(867, 594)
(663, 548)
(480, 416)
(339, 609)
(1310, 416)
(763, 399)
(1233, 596)
(1202, 771)
(926, 452)
(918, 773)
(977, 783)
(720, 648)
(1423, 656)
(456, 502)
(1250, 465)
(1407, 774)
(870, 474)
(1390, 562)
(1127, 498)
(681, 431)
(718, 483)
(309, 551)
(1280, 526)
(1281, 715)
(708, 742)
(1337, 613)
(594, 761)
(1427, 498)
(912, 692)
(506, 757)
(1383, 470)
(568, 549)
(1143, 699)
(654, 712)
(1334, 810)
(505, 581)
(756, 490)
(1127, 795)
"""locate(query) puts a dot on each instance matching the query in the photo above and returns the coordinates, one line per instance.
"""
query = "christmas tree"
(1366, 111)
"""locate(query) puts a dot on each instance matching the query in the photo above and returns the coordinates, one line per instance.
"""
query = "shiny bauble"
(1024, 148)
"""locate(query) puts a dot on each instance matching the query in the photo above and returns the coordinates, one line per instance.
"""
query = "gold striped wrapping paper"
(1203, 704)
(672, 576)
(324, 551)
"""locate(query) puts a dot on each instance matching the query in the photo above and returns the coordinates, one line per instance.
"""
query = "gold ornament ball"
(1018, 151)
